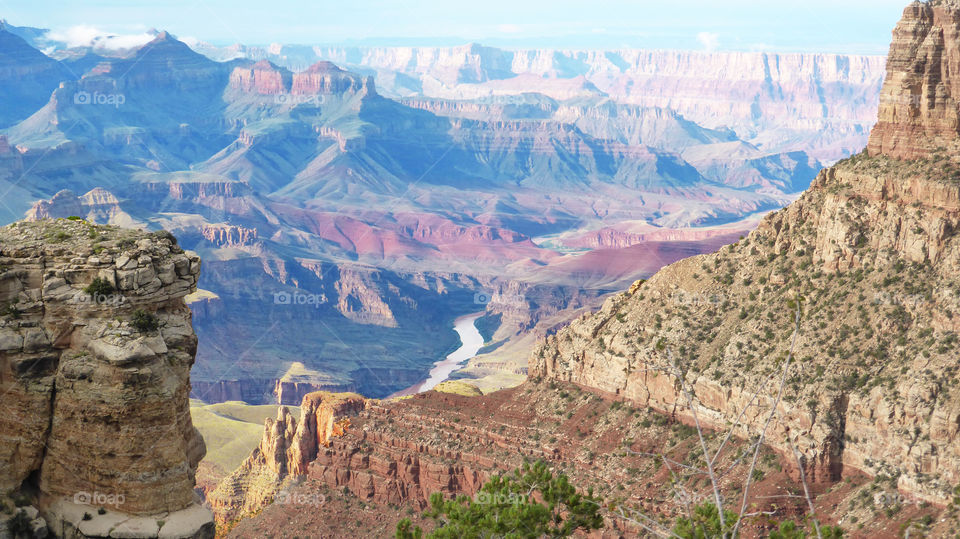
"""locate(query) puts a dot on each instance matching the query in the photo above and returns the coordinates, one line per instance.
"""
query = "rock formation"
(870, 254)
(326, 78)
(920, 97)
(224, 235)
(288, 446)
(96, 347)
(261, 78)
(97, 205)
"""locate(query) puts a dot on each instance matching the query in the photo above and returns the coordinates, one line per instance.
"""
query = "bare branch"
(766, 425)
(803, 480)
(703, 442)
(646, 523)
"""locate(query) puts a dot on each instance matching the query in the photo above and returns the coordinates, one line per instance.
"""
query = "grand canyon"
(698, 279)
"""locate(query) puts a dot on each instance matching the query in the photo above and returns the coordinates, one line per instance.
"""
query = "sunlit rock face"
(96, 346)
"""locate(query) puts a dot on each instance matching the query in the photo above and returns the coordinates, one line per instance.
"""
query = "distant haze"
(850, 26)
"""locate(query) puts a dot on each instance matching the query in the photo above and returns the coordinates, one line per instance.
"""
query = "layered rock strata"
(96, 346)
(286, 449)
(919, 100)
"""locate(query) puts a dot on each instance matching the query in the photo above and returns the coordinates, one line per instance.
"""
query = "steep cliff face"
(28, 76)
(870, 254)
(287, 447)
(326, 78)
(919, 100)
(261, 78)
(96, 347)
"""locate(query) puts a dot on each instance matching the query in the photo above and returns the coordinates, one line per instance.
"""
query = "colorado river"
(471, 343)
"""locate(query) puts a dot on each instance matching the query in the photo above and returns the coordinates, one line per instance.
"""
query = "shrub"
(144, 322)
(705, 523)
(11, 310)
(506, 505)
(99, 287)
(19, 525)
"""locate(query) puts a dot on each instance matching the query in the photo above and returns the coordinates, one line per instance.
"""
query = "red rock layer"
(261, 78)
(326, 78)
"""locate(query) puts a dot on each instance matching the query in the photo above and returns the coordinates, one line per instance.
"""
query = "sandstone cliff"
(96, 347)
(919, 100)
(287, 447)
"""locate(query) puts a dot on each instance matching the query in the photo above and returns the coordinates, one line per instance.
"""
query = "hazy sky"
(857, 26)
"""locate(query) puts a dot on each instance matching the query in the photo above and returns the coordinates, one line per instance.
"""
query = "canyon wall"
(854, 284)
(919, 100)
(96, 346)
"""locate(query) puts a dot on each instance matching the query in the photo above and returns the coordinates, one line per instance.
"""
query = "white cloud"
(509, 29)
(709, 40)
(89, 36)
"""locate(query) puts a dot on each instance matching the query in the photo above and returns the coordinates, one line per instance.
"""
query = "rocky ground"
(395, 453)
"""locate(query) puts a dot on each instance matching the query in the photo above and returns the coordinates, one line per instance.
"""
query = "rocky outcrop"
(920, 97)
(869, 254)
(223, 235)
(261, 78)
(326, 78)
(288, 446)
(97, 205)
(96, 347)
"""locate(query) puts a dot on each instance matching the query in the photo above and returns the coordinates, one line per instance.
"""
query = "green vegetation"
(505, 507)
(10, 309)
(99, 287)
(144, 322)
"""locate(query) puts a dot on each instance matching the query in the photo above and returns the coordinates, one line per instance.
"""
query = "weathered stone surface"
(872, 250)
(285, 452)
(919, 100)
(92, 407)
